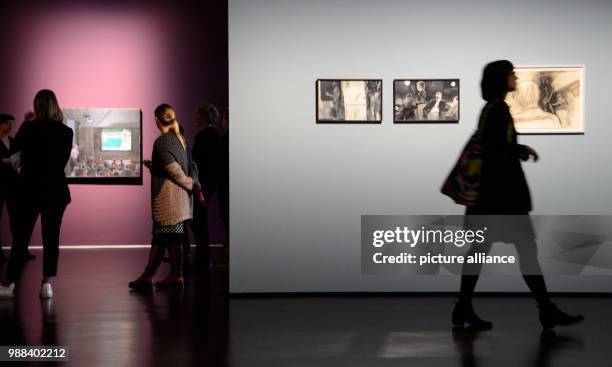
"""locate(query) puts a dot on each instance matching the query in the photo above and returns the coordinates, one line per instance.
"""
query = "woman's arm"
(170, 165)
(67, 147)
(175, 174)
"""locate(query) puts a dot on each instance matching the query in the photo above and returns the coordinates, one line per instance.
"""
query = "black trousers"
(526, 249)
(201, 232)
(224, 206)
(7, 196)
(51, 221)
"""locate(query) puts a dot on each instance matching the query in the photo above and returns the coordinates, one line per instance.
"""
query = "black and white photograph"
(548, 100)
(346, 101)
(426, 100)
(106, 146)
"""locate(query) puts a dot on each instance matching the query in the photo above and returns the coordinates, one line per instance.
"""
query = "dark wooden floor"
(106, 325)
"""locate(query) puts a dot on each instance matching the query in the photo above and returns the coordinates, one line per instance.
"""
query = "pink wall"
(115, 55)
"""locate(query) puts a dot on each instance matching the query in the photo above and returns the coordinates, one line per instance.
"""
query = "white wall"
(298, 188)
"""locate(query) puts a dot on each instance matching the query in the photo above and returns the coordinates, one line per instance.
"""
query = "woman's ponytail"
(161, 113)
(177, 131)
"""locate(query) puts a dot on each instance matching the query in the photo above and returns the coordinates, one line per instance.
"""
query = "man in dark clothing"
(8, 175)
(224, 174)
(205, 151)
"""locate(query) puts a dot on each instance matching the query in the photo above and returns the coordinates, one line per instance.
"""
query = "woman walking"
(504, 201)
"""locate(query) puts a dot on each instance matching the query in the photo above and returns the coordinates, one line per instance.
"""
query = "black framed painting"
(350, 101)
(426, 101)
(107, 146)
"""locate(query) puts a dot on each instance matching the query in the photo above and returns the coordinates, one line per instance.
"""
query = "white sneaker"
(7, 292)
(46, 291)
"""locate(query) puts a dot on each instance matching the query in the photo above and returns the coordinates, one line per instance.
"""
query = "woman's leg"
(527, 250)
(550, 314)
(464, 311)
(175, 277)
(474, 218)
(156, 255)
(51, 222)
(470, 274)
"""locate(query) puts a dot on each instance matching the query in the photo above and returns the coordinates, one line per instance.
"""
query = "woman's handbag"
(463, 182)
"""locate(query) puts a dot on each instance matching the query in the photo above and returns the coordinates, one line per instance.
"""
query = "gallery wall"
(134, 54)
(298, 189)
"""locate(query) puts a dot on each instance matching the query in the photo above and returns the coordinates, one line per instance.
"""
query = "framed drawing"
(426, 101)
(548, 100)
(349, 101)
(107, 145)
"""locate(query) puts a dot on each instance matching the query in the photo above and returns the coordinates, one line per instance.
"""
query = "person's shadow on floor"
(550, 344)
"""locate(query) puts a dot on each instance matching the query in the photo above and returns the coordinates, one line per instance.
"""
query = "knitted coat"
(173, 175)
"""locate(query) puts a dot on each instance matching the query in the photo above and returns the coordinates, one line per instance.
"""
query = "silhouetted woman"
(45, 145)
(173, 179)
(504, 192)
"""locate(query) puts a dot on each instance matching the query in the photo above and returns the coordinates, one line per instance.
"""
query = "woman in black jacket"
(504, 201)
(45, 145)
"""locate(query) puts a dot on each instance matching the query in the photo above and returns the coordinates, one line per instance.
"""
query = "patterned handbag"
(463, 182)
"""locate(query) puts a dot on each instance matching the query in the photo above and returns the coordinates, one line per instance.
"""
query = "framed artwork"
(548, 100)
(426, 101)
(107, 146)
(349, 101)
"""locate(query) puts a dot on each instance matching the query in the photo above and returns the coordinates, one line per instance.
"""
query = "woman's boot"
(175, 277)
(145, 281)
(464, 314)
(551, 316)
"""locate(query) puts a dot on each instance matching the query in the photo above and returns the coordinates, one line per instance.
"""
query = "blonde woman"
(173, 180)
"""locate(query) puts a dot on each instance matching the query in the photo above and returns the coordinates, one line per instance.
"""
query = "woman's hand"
(529, 152)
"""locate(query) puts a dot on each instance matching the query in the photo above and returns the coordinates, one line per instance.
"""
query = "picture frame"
(426, 101)
(349, 101)
(107, 146)
(548, 99)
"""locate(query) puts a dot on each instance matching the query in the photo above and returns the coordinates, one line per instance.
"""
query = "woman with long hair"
(173, 180)
(45, 145)
(504, 201)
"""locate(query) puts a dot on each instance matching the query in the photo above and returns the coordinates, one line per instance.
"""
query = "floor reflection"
(401, 331)
(105, 324)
